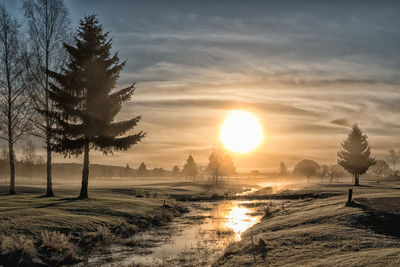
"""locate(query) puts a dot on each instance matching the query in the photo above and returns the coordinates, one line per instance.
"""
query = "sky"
(307, 69)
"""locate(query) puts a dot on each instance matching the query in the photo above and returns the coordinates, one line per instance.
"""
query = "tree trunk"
(12, 168)
(85, 173)
(356, 179)
(49, 190)
(9, 126)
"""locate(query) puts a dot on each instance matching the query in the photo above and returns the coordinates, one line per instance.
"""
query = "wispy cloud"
(308, 69)
(341, 122)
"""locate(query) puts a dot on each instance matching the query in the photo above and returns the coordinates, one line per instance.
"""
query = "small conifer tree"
(355, 154)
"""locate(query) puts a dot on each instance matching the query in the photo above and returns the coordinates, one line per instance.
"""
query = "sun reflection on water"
(239, 219)
(224, 222)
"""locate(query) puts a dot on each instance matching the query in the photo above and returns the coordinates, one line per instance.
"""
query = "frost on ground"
(324, 232)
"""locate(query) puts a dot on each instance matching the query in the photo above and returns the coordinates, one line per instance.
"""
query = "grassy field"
(317, 229)
(326, 231)
(32, 225)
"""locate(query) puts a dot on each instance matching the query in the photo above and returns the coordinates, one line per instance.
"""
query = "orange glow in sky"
(241, 132)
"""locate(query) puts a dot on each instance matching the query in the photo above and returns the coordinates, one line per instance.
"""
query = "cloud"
(341, 122)
(307, 69)
(225, 104)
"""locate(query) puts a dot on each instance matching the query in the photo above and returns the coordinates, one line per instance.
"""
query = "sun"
(241, 132)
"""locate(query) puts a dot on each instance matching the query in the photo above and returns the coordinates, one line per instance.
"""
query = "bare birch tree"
(14, 102)
(48, 26)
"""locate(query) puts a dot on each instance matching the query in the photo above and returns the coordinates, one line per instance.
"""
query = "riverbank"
(140, 223)
(37, 230)
(61, 230)
(324, 231)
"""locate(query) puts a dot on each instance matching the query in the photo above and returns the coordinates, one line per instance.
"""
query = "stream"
(196, 238)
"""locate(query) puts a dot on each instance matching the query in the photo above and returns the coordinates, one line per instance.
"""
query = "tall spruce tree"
(86, 100)
(355, 154)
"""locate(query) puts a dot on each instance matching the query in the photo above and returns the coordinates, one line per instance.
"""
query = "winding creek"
(196, 238)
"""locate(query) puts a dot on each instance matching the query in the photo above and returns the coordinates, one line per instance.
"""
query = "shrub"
(124, 229)
(20, 244)
(57, 248)
(105, 235)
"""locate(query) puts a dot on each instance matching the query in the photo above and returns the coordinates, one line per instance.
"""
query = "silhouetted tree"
(86, 100)
(127, 171)
(190, 168)
(324, 171)
(220, 164)
(15, 109)
(228, 167)
(354, 156)
(393, 158)
(175, 171)
(307, 168)
(142, 170)
(47, 22)
(283, 170)
(214, 167)
(336, 171)
(157, 172)
(380, 169)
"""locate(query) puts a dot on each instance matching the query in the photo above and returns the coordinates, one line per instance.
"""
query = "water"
(197, 238)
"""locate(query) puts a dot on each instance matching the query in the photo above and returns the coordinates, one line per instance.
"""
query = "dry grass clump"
(57, 248)
(161, 218)
(56, 241)
(18, 244)
(124, 229)
(100, 238)
(106, 237)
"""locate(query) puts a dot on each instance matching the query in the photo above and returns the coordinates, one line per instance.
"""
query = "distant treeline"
(74, 170)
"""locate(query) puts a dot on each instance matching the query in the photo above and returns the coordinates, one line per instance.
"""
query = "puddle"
(197, 238)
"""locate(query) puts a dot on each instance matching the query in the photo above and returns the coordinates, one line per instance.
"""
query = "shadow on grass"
(22, 189)
(8, 194)
(62, 201)
(347, 185)
(46, 196)
(379, 221)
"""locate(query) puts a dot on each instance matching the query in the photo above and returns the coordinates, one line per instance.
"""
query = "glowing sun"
(241, 132)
